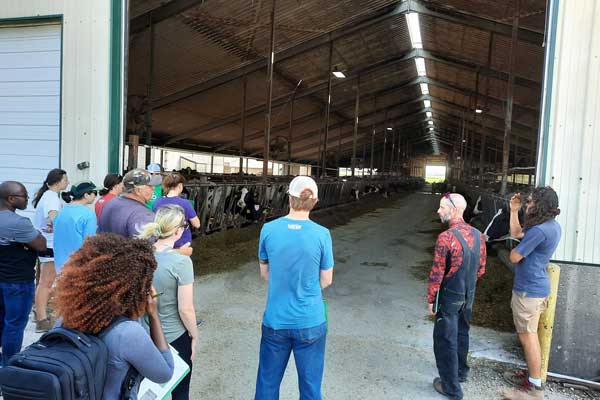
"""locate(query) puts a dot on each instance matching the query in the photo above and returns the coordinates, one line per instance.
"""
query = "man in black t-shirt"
(19, 244)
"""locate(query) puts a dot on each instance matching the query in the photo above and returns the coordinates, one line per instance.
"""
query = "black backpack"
(64, 364)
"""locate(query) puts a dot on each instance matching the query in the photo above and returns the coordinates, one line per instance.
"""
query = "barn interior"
(365, 96)
(383, 86)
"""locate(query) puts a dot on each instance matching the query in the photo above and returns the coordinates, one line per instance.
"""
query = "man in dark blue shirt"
(20, 243)
(540, 236)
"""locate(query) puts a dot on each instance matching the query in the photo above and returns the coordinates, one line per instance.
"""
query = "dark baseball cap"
(140, 177)
(81, 188)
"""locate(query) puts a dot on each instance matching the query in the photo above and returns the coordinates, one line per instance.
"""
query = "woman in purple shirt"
(173, 187)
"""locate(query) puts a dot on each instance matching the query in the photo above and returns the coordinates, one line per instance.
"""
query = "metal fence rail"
(220, 206)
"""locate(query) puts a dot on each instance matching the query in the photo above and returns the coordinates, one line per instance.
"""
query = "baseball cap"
(300, 183)
(140, 177)
(81, 188)
(154, 168)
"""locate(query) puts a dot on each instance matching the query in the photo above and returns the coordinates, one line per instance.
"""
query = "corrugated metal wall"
(570, 145)
(85, 78)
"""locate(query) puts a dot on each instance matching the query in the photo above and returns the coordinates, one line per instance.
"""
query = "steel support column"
(355, 133)
(509, 98)
(243, 133)
(327, 109)
(150, 94)
(271, 61)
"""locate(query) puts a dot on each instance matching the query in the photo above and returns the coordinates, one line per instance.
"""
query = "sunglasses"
(447, 196)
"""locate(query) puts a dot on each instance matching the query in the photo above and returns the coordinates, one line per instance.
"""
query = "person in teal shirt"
(74, 222)
(155, 169)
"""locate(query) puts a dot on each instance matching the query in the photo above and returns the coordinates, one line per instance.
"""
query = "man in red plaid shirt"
(459, 260)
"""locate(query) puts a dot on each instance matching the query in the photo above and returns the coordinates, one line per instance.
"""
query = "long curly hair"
(108, 277)
(544, 208)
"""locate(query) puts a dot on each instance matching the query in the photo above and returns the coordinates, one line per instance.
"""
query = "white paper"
(160, 391)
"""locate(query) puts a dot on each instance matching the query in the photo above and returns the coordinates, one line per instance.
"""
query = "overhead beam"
(457, 17)
(156, 15)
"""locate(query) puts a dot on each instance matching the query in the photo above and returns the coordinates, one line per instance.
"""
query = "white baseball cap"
(301, 183)
(153, 168)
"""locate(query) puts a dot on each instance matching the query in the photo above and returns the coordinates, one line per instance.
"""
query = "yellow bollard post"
(546, 324)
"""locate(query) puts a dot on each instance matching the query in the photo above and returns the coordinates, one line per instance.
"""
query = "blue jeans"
(16, 299)
(451, 347)
(309, 354)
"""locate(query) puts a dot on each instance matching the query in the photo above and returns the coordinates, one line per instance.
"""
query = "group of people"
(131, 258)
(128, 256)
(459, 261)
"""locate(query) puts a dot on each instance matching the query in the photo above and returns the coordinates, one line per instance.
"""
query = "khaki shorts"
(526, 312)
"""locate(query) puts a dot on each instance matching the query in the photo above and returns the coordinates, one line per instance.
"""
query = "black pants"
(451, 347)
(183, 344)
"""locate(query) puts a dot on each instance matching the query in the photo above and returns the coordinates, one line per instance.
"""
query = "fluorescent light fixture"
(424, 88)
(338, 74)
(420, 63)
(464, 141)
(430, 122)
(431, 128)
(478, 110)
(412, 20)
(427, 103)
(429, 114)
(388, 128)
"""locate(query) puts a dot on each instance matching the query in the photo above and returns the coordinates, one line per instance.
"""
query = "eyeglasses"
(25, 196)
(185, 225)
(447, 196)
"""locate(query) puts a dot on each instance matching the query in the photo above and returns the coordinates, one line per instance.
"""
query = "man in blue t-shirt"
(296, 259)
(540, 236)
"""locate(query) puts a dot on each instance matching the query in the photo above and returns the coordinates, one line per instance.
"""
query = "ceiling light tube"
(427, 103)
(424, 88)
(414, 29)
(478, 110)
(338, 74)
(430, 122)
(420, 63)
(429, 114)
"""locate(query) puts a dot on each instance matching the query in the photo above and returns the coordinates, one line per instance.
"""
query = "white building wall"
(570, 134)
(85, 78)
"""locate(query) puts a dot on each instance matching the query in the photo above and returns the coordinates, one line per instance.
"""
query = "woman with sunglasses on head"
(174, 281)
(113, 187)
(173, 187)
(74, 222)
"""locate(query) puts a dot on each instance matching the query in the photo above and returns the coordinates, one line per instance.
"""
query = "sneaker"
(530, 393)
(437, 385)
(43, 325)
(517, 377)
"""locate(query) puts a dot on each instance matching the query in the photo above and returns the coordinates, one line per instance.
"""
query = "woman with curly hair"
(174, 279)
(109, 277)
(540, 237)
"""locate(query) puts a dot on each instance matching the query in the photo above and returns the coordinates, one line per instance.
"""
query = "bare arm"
(264, 271)
(515, 226)
(195, 222)
(515, 257)
(326, 277)
(186, 249)
(187, 313)
(38, 244)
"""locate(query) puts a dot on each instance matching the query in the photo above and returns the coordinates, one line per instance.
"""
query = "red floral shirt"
(448, 247)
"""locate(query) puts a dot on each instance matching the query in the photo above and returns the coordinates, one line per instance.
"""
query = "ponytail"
(67, 196)
(168, 219)
(54, 176)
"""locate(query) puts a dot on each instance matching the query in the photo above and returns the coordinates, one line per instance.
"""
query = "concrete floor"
(379, 343)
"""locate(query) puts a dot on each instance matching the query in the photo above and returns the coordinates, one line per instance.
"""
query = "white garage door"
(30, 65)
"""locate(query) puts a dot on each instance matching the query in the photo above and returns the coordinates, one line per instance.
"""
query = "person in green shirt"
(155, 169)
